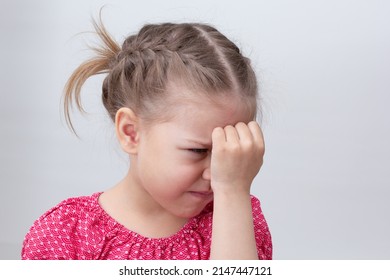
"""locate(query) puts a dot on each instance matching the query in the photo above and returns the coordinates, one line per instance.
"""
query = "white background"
(324, 72)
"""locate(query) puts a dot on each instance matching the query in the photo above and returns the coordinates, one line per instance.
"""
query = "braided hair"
(139, 74)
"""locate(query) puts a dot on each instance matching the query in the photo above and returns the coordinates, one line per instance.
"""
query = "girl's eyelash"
(198, 151)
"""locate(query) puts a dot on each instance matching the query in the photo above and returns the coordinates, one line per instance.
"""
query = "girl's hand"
(236, 157)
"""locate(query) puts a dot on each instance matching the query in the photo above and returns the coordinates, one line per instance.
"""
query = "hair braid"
(197, 55)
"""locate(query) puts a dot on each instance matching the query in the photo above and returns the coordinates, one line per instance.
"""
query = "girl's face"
(173, 160)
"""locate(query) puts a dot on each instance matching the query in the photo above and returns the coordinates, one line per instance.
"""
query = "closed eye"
(198, 151)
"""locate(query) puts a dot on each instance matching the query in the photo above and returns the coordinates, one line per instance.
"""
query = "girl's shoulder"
(61, 230)
(69, 212)
(75, 206)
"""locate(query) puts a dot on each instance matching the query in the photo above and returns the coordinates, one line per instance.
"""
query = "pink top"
(78, 228)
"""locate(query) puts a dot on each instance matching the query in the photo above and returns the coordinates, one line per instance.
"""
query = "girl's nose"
(206, 174)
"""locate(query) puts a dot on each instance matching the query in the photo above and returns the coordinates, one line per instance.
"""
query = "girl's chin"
(191, 213)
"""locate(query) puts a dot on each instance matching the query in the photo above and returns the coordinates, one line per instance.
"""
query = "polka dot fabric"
(79, 229)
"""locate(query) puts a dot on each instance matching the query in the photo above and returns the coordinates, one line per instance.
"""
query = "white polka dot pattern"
(79, 229)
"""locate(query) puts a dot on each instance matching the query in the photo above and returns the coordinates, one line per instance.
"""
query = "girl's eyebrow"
(199, 142)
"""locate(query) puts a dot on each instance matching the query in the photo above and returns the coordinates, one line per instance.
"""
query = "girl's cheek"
(185, 173)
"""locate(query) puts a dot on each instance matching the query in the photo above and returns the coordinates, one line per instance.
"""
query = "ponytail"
(102, 63)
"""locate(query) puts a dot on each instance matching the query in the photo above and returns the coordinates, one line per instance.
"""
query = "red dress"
(78, 228)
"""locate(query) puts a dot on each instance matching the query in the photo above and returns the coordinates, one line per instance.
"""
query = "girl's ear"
(127, 130)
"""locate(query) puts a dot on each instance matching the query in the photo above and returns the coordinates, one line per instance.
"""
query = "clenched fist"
(237, 156)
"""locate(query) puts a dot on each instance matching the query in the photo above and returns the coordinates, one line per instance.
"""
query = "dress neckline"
(188, 227)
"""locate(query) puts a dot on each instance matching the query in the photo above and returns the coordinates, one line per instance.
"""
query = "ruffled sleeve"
(64, 232)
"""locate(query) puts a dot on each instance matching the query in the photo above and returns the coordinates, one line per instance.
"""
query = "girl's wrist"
(229, 193)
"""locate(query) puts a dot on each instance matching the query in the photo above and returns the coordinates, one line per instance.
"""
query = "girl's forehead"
(188, 100)
(207, 113)
(194, 120)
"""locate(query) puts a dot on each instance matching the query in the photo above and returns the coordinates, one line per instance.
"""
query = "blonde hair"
(138, 73)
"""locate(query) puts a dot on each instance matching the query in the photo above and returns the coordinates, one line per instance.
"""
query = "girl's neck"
(130, 205)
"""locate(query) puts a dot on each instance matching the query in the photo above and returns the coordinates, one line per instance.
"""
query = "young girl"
(183, 100)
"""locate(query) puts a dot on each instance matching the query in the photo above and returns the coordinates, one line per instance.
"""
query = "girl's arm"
(237, 156)
(233, 233)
